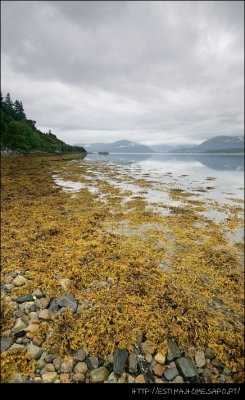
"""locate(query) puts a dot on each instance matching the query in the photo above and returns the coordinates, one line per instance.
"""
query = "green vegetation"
(20, 134)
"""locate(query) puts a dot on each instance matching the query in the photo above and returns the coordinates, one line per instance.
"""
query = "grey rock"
(8, 287)
(68, 301)
(49, 377)
(186, 367)
(80, 355)
(174, 351)
(42, 303)
(19, 326)
(6, 343)
(24, 299)
(20, 334)
(92, 362)
(54, 306)
(218, 365)
(37, 293)
(112, 378)
(48, 357)
(16, 346)
(81, 368)
(78, 377)
(119, 362)
(178, 379)
(132, 360)
(171, 373)
(57, 363)
(19, 280)
(200, 359)
(34, 351)
(67, 366)
(99, 375)
(209, 353)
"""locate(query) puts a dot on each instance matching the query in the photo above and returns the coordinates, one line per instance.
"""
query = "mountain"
(121, 146)
(162, 148)
(218, 144)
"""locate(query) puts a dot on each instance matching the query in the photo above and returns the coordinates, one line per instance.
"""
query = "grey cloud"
(105, 70)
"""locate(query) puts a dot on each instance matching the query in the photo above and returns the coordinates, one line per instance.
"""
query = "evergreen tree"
(8, 106)
(19, 110)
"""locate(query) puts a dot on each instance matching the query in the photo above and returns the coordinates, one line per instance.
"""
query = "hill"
(20, 134)
(121, 146)
(218, 144)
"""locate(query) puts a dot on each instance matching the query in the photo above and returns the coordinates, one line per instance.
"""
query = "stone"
(17, 346)
(19, 281)
(122, 378)
(65, 378)
(34, 351)
(99, 375)
(6, 343)
(57, 363)
(24, 299)
(186, 367)
(41, 363)
(19, 313)
(65, 283)
(148, 348)
(132, 361)
(32, 328)
(92, 362)
(19, 334)
(78, 377)
(149, 358)
(37, 341)
(110, 358)
(209, 353)
(8, 287)
(49, 377)
(43, 303)
(159, 380)
(81, 368)
(178, 379)
(200, 359)
(68, 301)
(160, 358)
(130, 379)
(112, 378)
(6, 333)
(48, 357)
(119, 362)
(67, 366)
(19, 326)
(174, 351)
(27, 307)
(37, 293)
(80, 355)
(45, 315)
(37, 379)
(54, 306)
(171, 373)
(158, 369)
(229, 379)
(218, 365)
(139, 379)
(48, 368)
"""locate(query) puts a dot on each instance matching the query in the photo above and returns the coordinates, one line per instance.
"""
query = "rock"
(178, 379)
(92, 362)
(19, 326)
(19, 281)
(67, 366)
(48, 357)
(229, 379)
(54, 306)
(37, 379)
(139, 379)
(8, 287)
(112, 378)
(122, 378)
(68, 301)
(158, 369)
(27, 307)
(16, 346)
(78, 377)
(171, 373)
(159, 380)
(40, 363)
(7, 333)
(218, 365)
(49, 377)
(37, 293)
(130, 379)
(160, 358)
(147, 347)
(174, 351)
(149, 358)
(186, 367)
(19, 313)
(99, 375)
(119, 362)
(209, 353)
(110, 358)
(57, 363)
(34, 351)
(65, 378)
(6, 343)
(45, 315)
(200, 359)
(81, 368)
(24, 299)
(48, 368)
(37, 341)
(43, 303)
(32, 328)
(132, 361)
(65, 283)
(80, 355)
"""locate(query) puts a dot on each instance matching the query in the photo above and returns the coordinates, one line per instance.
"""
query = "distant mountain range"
(218, 144)
(121, 146)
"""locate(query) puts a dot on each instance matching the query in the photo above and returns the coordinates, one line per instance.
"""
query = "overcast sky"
(154, 72)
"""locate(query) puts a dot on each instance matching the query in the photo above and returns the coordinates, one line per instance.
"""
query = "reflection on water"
(213, 161)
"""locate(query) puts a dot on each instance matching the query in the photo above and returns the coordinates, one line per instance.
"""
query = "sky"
(148, 71)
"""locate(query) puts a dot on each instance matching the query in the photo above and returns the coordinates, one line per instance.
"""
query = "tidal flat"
(143, 259)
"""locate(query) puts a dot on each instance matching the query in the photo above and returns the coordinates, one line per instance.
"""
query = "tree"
(19, 110)
(8, 106)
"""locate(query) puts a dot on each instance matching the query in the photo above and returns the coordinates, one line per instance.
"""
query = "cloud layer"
(155, 72)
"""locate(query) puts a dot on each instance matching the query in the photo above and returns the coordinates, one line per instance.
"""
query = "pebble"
(160, 358)
(209, 353)
(24, 299)
(42, 303)
(92, 362)
(80, 355)
(147, 347)
(112, 378)
(67, 366)
(171, 373)
(139, 379)
(178, 379)
(68, 301)
(19, 326)
(78, 377)
(149, 358)
(34, 351)
(158, 370)
(45, 315)
(81, 368)
(49, 377)
(200, 359)
(6, 343)
(119, 362)
(37, 293)
(186, 367)
(99, 375)
(57, 363)
(65, 378)
(132, 361)
(19, 281)
(174, 351)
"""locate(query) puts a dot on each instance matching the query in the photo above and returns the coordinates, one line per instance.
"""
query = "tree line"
(20, 134)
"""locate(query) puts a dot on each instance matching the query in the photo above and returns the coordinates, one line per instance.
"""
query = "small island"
(103, 153)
